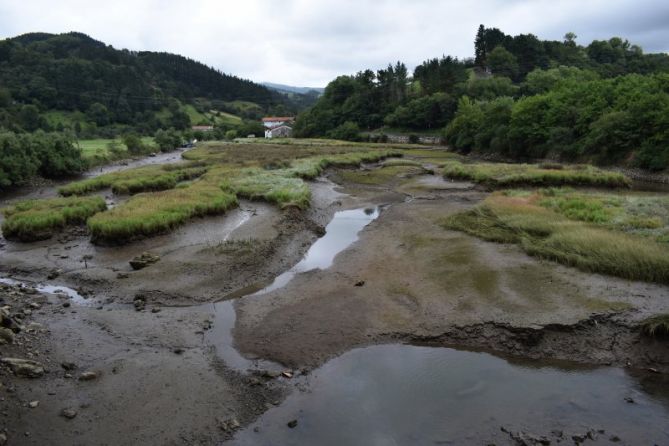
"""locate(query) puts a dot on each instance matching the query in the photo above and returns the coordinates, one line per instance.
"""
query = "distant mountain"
(290, 89)
(73, 72)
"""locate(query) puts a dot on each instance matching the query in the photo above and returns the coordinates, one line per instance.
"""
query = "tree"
(502, 63)
(348, 131)
(134, 143)
(30, 118)
(99, 114)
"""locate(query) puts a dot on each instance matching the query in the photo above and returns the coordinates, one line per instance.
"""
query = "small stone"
(630, 400)
(360, 283)
(55, 273)
(6, 336)
(614, 438)
(66, 304)
(155, 310)
(88, 376)
(122, 275)
(33, 404)
(68, 365)
(24, 367)
(178, 350)
(3, 438)
(144, 260)
(68, 413)
(292, 424)
(287, 374)
(67, 376)
(652, 370)
(229, 425)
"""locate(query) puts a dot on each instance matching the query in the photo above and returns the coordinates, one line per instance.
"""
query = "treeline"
(571, 114)
(577, 96)
(73, 82)
(50, 155)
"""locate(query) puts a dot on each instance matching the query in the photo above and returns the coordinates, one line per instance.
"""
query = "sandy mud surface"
(134, 360)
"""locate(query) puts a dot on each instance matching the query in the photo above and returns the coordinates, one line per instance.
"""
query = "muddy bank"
(420, 281)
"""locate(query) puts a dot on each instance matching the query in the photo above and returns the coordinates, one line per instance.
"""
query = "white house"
(281, 131)
(278, 126)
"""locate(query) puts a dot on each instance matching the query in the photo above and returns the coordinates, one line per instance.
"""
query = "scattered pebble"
(33, 404)
(292, 424)
(68, 413)
(88, 376)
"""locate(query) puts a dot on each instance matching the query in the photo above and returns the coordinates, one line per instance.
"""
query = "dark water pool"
(412, 395)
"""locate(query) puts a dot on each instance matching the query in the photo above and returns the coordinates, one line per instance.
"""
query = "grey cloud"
(308, 42)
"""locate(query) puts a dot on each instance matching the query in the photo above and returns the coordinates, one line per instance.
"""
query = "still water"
(414, 395)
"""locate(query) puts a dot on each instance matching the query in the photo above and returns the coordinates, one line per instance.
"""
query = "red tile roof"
(277, 118)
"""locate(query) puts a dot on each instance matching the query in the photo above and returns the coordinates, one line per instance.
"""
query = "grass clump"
(274, 186)
(39, 219)
(132, 181)
(498, 175)
(544, 233)
(148, 214)
(656, 326)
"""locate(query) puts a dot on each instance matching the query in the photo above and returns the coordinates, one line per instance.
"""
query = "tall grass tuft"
(549, 235)
(148, 214)
(497, 175)
(39, 219)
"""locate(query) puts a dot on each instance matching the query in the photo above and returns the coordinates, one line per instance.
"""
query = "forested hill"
(73, 72)
(518, 97)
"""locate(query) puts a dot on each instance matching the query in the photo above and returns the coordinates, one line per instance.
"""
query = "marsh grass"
(39, 219)
(543, 233)
(382, 175)
(210, 183)
(656, 326)
(497, 175)
(132, 181)
(148, 214)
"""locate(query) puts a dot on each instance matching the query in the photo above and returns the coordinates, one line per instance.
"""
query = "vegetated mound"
(623, 236)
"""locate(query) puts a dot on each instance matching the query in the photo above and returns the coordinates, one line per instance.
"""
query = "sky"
(310, 42)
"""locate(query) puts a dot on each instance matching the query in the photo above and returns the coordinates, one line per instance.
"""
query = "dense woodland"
(519, 97)
(55, 89)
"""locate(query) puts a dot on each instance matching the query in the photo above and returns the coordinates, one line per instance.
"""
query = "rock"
(3, 438)
(33, 404)
(24, 367)
(360, 283)
(68, 413)
(6, 336)
(55, 273)
(68, 365)
(287, 374)
(66, 305)
(144, 260)
(614, 439)
(229, 425)
(139, 304)
(155, 310)
(88, 376)
(292, 424)
(270, 374)
(122, 275)
(178, 350)
(629, 400)
(34, 305)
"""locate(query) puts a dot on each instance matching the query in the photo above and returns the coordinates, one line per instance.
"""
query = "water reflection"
(403, 394)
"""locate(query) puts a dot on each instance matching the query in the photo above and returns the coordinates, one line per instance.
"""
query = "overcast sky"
(309, 42)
